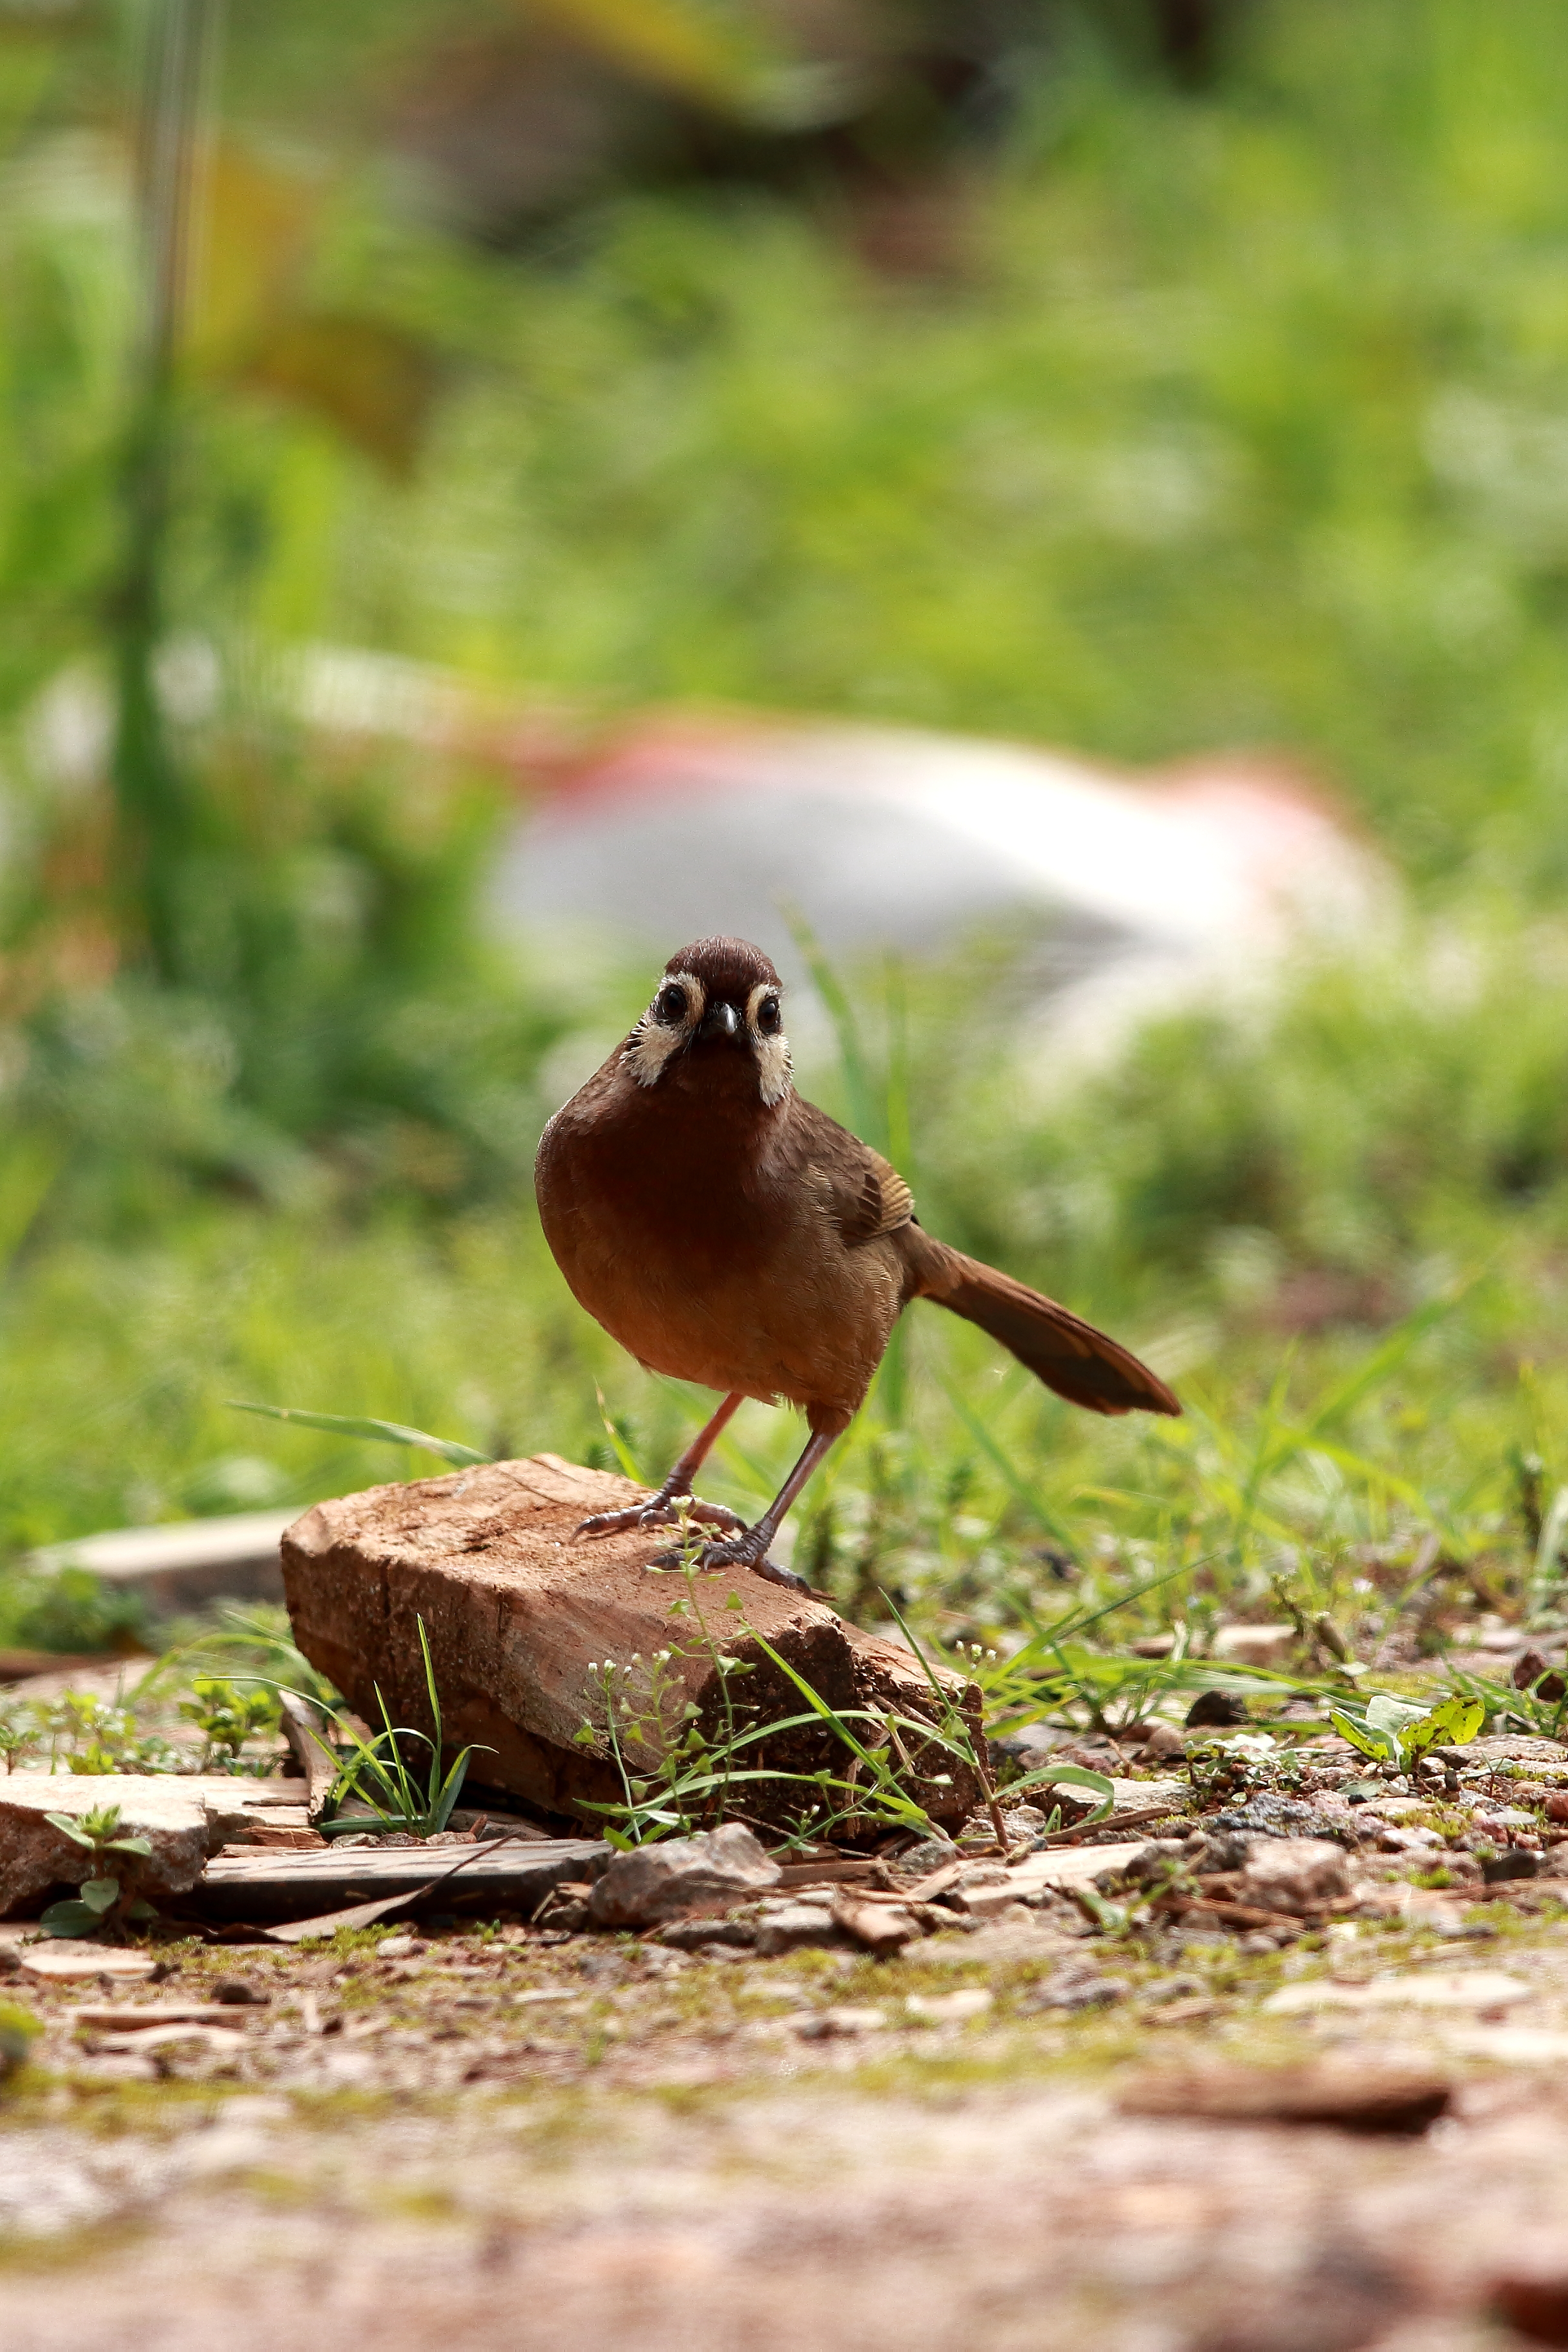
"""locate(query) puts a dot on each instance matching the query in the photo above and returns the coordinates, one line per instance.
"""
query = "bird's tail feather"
(1069, 1355)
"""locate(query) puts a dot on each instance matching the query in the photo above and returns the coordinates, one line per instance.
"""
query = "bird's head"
(717, 1008)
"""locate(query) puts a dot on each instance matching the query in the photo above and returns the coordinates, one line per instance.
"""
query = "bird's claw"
(738, 1552)
(658, 1514)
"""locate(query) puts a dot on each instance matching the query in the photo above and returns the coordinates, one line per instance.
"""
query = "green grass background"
(1241, 423)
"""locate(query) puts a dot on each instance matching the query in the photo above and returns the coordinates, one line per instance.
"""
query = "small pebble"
(1072, 1992)
(397, 1948)
(831, 2024)
(1165, 1988)
(948, 2007)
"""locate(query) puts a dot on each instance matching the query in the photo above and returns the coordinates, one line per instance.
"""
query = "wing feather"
(864, 1193)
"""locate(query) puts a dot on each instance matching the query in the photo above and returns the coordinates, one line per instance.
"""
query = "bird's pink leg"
(659, 1511)
(749, 1547)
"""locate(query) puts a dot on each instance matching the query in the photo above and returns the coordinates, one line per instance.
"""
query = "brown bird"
(727, 1231)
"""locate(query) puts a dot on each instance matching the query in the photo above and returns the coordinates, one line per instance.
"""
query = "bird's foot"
(661, 1513)
(744, 1550)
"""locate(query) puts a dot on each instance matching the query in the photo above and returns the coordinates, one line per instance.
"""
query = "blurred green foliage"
(1225, 409)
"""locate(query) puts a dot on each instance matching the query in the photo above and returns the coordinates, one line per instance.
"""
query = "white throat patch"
(773, 1064)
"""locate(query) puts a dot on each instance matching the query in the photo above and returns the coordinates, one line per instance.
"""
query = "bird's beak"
(722, 1021)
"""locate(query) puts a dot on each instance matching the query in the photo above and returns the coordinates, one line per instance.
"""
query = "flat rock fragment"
(682, 1878)
(877, 1926)
(794, 1928)
(1293, 1874)
(1484, 1991)
(63, 1960)
(838, 2024)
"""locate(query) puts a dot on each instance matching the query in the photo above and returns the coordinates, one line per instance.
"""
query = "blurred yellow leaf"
(672, 43)
(372, 381)
(253, 239)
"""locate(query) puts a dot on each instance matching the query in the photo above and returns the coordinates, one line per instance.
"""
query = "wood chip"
(119, 2017)
(1115, 1822)
(937, 1882)
(878, 1926)
(1356, 2097)
(277, 1836)
(1196, 2010)
(308, 1736)
(260, 1884)
(832, 1873)
(219, 2040)
(327, 1923)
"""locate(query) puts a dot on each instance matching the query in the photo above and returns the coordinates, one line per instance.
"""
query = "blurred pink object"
(885, 836)
(1126, 890)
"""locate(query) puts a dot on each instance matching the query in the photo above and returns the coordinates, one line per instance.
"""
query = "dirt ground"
(482, 2138)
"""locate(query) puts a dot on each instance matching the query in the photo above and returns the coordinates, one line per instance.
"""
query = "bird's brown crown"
(728, 969)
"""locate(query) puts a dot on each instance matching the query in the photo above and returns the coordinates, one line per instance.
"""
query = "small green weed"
(101, 1900)
(378, 1777)
(227, 1716)
(1396, 1733)
(18, 2030)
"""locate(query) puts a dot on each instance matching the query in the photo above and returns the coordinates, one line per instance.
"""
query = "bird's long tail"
(1069, 1355)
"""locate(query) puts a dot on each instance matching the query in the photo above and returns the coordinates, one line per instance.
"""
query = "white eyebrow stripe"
(696, 999)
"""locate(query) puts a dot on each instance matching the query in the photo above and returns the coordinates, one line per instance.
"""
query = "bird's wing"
(864, 1193)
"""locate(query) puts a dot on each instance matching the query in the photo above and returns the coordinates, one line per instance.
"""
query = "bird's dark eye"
(669, 1005)
(768, 1017)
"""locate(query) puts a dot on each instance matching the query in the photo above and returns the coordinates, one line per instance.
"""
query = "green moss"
(65, 2250)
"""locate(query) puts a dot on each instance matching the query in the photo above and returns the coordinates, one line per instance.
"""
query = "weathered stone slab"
(517, 1608)
(34, 1856)
(264, 1886)
(185, 1817)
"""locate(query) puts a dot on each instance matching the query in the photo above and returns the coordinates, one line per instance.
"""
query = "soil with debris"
(1285, 2077)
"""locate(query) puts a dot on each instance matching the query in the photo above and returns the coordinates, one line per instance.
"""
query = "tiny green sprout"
(15, 1742)
(228, 1716)
(17, 2029)
(100, 1901)
(1396, 1733)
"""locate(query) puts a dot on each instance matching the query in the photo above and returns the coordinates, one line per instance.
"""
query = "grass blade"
(1021, 1491)
(384, 1433)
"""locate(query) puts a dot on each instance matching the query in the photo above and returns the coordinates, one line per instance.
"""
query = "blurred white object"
(891, 838)
(186, 1562)
(1128, 891)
